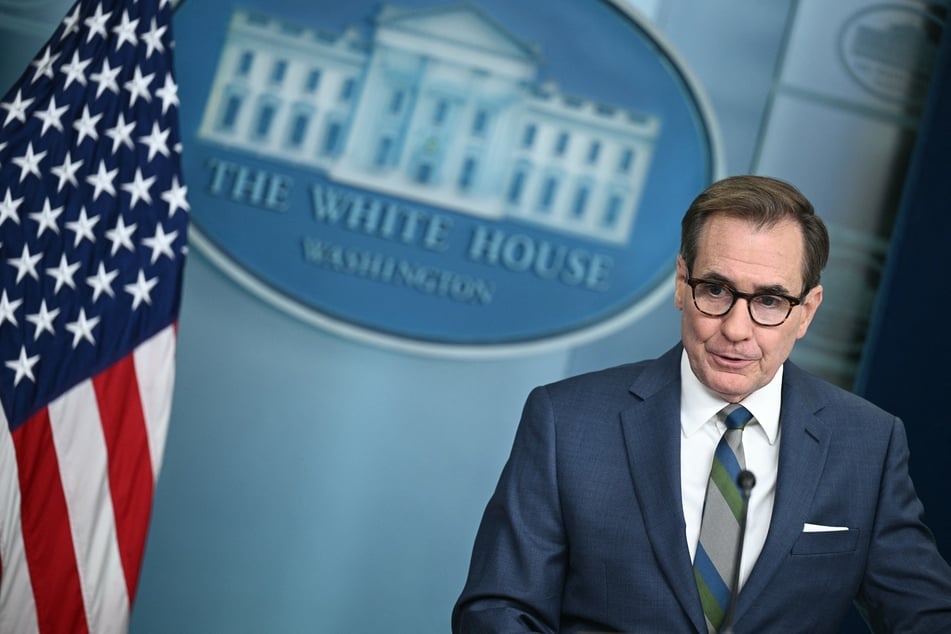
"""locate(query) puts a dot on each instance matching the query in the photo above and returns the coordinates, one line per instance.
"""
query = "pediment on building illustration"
(461, 23)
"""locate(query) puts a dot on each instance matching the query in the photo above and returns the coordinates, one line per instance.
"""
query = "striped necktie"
(720, 526)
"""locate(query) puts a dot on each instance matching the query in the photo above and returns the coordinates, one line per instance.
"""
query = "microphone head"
(746, 480)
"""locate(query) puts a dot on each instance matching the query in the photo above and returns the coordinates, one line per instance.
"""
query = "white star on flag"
(83, 227)
(85, 126)
(29, 163)
(106, 79)
(141, 290)
(102, 181)
(26, 264)
(121, 236)
(97, 24)
(47, 218)
(17, 108)
(44, 65)
(42, 320)
(175, 196)
(8, 309)
(66, 172)
(63, 273)
(75, 70)
(101, 282)
(156, 141)
(51, 117)
(82, 328)
(23, 366)
(125, 31)
(121, 133)
(9, 207)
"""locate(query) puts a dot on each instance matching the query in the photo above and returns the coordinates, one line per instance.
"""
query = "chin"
(730, 390)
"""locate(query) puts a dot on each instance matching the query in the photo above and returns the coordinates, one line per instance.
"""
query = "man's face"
(731, 354)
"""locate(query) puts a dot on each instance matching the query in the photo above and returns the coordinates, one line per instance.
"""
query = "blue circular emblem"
(890, 50)
(449, 178)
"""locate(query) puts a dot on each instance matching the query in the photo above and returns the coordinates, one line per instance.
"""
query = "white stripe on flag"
(155, 369)
(17, 610)
(83, 464)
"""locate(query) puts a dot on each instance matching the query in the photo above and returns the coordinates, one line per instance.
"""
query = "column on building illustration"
(580, 166)
(437, 113)
(284, 91)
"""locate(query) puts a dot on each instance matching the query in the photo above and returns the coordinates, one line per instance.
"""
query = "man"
(602, 519)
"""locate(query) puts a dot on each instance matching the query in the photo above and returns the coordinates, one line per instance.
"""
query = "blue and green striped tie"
(720, 526)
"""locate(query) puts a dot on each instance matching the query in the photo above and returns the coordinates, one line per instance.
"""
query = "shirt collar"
(698, 404)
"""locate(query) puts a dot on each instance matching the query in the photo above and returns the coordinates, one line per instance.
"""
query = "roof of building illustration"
(463, 23)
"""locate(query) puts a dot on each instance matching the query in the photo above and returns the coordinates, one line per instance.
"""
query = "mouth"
(730, 361)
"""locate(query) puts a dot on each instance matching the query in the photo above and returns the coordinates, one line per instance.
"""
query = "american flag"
(93, 218)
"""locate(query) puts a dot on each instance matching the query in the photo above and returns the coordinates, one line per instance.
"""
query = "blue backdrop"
(905, 367)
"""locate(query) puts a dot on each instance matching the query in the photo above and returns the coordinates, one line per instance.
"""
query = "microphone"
(746, 481)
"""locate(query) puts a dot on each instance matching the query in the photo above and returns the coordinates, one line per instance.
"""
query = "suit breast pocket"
(827, 543)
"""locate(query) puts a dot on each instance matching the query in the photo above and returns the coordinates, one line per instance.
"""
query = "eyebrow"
(775, 289)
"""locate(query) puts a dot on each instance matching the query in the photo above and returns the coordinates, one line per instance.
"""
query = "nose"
(737, 325)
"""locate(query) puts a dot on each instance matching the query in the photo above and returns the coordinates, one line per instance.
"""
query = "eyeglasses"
(716, 299)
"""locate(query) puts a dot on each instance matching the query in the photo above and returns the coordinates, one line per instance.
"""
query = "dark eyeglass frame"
(693, 282)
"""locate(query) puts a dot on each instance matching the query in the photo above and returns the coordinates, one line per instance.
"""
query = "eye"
(771, 301)
(714, 290)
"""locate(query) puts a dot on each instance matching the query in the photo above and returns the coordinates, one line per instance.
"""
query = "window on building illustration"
(561, 144)
(278, 71)
(612, 213)
(627, 158)
(313, 80)
(244, 63)
(294, 30)
(299, 128)
(440, 111)
(528, 136)
(383, 152)
(580, 201)
(547, 198)
(396, 101)
(346, 89)
(231, 111)
(265, 119)
(424, 173)
(467, 174)
(594, 151)
(516, 186)
(480, 122)
(331, 138)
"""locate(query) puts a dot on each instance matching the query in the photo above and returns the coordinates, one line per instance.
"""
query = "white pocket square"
(819, 528)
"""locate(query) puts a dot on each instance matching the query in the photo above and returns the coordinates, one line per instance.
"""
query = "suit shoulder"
(829, 400)
(640, 379)
(616, 375)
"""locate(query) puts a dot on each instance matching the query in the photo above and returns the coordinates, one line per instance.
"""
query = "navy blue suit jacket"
(585, 531)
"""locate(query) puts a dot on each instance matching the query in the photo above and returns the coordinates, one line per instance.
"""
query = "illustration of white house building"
(438, 105)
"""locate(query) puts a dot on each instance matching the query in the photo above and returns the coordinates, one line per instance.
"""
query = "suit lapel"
(802, 454)
(652, 437)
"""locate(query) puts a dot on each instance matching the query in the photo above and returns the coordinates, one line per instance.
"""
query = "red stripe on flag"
(130, 465)
(46, 533)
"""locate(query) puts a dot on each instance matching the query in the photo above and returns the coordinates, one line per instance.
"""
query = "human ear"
(680, 283)
(809, 307)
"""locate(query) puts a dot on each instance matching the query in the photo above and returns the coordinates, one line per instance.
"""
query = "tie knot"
(737, 416)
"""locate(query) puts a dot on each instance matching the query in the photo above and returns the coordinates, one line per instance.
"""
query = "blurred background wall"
(318, 482)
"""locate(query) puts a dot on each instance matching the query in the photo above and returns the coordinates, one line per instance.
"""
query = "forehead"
(749, 255)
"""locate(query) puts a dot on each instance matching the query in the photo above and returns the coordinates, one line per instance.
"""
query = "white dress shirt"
(700, 433)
